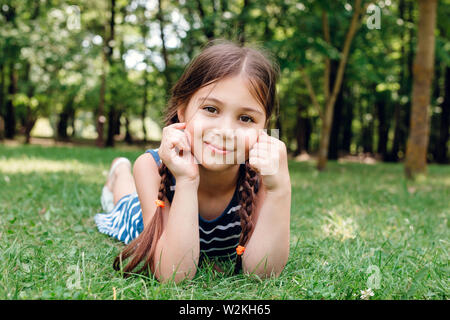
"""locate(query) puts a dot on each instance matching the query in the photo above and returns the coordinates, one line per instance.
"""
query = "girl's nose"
(227, 124)
(221, 134)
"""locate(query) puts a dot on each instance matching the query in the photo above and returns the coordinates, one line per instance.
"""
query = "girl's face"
(223, 120)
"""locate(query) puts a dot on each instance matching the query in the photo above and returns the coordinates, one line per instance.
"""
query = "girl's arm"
(177, 250)
(268, 247)
(267, 251)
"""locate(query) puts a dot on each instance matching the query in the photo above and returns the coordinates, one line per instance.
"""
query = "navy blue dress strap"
(154, 153)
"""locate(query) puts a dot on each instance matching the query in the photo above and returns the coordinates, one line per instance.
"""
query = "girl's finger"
(183, 144)
(186, 144)
(261, 154)
(188, 137)
(264, 145)
(255, 163)
(179, 142)
(177, 125)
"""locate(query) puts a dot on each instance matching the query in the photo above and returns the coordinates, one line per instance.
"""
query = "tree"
(423, 70)
(106, 62)
(331, 94)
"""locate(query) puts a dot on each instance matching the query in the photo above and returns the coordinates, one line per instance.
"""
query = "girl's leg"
(121, 182)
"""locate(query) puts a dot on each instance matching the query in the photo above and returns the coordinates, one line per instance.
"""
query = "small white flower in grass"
(366, 294)
(7, 180)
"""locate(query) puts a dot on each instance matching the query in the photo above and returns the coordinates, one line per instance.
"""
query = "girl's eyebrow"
(221, 102)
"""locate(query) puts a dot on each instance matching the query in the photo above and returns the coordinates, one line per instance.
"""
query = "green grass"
(350, 226)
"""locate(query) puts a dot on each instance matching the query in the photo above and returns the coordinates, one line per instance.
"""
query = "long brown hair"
(218, 59)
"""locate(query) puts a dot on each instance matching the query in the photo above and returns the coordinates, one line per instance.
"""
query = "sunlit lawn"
(353, 227)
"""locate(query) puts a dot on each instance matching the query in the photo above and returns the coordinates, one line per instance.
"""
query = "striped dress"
(218, 237)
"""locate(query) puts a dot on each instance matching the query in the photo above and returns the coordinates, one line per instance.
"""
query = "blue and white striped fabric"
(218, 237)
(124, 222)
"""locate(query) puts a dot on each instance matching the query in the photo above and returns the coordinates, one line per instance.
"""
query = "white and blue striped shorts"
(125, 221)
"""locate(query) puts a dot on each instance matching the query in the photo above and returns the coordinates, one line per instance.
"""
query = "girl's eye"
(246, 119)
(210, 109)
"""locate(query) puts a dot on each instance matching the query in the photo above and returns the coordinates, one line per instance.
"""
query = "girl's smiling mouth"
(216, 149)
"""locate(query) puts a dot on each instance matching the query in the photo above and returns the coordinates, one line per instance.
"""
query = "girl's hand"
(175, 152)
(268, 156)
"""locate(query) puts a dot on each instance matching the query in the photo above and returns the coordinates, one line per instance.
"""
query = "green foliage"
(65, 59)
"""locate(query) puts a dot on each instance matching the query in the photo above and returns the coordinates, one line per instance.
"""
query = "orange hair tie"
(159, 203)
(240, 250)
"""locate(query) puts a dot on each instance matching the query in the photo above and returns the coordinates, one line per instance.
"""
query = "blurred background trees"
(101, 71)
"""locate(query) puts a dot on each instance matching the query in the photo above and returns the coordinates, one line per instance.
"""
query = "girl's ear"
(181, 113)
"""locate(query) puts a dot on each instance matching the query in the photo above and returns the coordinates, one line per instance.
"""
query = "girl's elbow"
(176, 276)
(266, 268)
(267, 272)
(176, 270)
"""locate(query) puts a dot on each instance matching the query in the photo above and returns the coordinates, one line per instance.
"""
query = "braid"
(247, 189)
(142, 249)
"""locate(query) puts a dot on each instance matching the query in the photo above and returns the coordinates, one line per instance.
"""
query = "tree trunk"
(118, 124)
(2, 129)
(347, 122)
(65, 116)
(107, 61)
(367, 137)
(62, 125)
(166, 72)
(417, 145)
(302, 132)
(30, 117)
(10, 115)
(112, 113)
(335, 146)
(128, 136)
(2, 101)
(144, 105)
(30, 121)
(72, 117)
(393, 156)
(383, 126)
(112, 124)
(368, 123)
(329, 106)
(441, 149)
(101, 106)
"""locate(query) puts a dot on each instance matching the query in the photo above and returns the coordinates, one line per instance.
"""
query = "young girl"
(185, 202)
